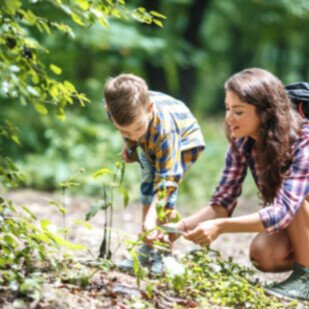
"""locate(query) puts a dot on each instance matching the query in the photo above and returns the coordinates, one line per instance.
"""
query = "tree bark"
(188, 74)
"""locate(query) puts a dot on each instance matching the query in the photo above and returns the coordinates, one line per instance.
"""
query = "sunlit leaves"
(11, 6)
(30, 80)
(29, 16)
(157, 14)
(24, 245)
(83, 4)
(64, 28)
(72, 181)
(141, 15)
(10, 176)
(41, 109)
(53, 90)
(9, 131)
(76, 18)
(102, 172)
(55, 69)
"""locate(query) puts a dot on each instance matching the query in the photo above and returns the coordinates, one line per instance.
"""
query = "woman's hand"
(205, 232)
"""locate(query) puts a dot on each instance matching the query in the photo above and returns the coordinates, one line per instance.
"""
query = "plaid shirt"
(291, 194)
(172, 130)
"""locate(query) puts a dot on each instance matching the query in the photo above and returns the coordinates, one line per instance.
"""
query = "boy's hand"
(155, 234)
(174, 230)
(126, 155)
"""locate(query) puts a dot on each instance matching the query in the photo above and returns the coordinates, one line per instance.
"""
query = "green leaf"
(30, 213)
(102, 171)
(63, 210)
(10, 240)
(83, 4)
(125, 196)
(77, 19)
(30, 17)
(53, 90)
(46, 27)
(116, 13)
(55, 69)
(157, 14)
(158, 22)
(55, 203)
(120, 165)
(83, 223)
(62, 242)
(60, 114)
(35, 78)
(41, 109)
(93, 210)
(11, 6)
(44, 224)
(15, 138)
(30, 285)
(69, 86)
(69, 183)
(64, 28)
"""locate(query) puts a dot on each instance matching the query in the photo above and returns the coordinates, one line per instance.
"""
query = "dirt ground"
(126, 225)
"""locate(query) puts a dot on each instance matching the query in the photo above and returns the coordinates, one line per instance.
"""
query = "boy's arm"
(168, 169)
(150, 217)
(151, 221)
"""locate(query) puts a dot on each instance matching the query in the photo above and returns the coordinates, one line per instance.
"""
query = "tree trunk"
(187, 75)
(188, 78)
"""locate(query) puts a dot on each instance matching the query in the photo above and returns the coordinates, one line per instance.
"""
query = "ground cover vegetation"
(54, 57)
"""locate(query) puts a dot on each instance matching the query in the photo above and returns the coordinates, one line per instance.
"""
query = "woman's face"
(241, 117)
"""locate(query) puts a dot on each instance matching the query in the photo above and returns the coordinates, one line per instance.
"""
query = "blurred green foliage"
(201, 43)
(31, 31)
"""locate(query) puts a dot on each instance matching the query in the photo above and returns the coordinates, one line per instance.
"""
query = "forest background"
(188, 55)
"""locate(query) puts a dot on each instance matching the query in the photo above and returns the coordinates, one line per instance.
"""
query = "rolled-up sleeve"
(230, 186)
(292, 193)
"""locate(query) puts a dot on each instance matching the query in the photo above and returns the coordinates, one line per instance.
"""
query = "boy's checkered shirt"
(172, 130)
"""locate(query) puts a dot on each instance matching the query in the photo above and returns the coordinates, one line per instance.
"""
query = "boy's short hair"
(125, 96)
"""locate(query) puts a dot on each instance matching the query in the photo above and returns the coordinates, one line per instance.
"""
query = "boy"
(170, 141)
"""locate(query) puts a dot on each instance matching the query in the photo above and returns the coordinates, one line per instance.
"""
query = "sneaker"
(157, 264)
(294, 287)
(143, 257)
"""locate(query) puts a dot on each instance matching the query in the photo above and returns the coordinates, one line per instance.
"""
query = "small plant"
(202, 279)
(26, 249)
(164, 214)
(65, 185)
(106, 203)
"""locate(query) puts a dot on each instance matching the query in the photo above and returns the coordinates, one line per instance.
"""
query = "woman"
(269, 137)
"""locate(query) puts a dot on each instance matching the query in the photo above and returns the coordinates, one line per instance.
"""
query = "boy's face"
(138, 127)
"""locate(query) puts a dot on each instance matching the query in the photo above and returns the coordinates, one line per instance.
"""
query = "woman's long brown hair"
(280, 125)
